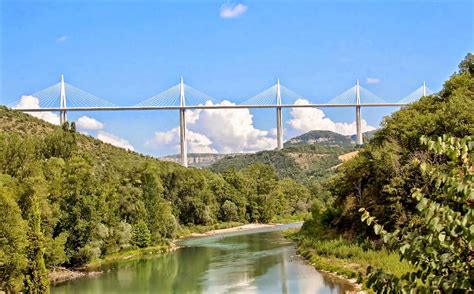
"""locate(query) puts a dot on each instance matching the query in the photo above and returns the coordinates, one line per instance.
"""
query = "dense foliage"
(419, 190)
(303, 162)
(383, 174)
(440, 245)
(72, 199)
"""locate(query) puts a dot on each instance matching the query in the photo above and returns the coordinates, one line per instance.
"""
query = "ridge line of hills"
(328, 139)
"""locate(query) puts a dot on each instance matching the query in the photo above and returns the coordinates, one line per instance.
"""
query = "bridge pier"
(359, 140)
(182, 126)
(279, 118)
(62, 113)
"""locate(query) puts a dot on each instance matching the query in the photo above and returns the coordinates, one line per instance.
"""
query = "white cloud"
(197, 143)
(373, 81)
(232, 10)
(232, 130)
(226, 131)
(30, 102)
(88, 123)
(308, 119)
(62, 39)
(114, 140)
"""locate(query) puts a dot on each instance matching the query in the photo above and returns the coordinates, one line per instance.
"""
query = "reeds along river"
(245, 262)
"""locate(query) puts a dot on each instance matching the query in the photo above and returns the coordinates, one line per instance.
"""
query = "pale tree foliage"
(440, 245)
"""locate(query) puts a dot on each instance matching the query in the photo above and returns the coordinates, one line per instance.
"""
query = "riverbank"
(345, 259)
(61, 274)
(240, 228)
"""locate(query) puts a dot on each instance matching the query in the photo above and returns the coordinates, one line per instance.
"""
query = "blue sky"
(127, 51)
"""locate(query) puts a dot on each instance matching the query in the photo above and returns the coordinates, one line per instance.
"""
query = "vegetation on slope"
(319, 137)
(72, 199)
(382, 178)
(302, 161)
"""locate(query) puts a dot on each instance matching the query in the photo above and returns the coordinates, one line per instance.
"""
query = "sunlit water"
(258, 261)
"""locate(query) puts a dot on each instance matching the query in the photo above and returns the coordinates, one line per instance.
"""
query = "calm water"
(259, 261)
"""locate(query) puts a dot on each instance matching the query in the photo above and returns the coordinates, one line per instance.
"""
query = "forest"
(401, 217)
(71, 199)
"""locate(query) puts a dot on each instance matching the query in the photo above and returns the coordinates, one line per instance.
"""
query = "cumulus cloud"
(197, 143)
(218, 130)
(30, 102)
(373, 81)
(62, 39)
(232, 10)
(308, 119)
(114, 140)
(89, 123)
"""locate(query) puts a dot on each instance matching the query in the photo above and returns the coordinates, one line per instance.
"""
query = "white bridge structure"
(63, 97)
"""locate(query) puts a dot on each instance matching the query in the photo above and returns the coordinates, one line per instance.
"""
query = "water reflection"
(262, 262)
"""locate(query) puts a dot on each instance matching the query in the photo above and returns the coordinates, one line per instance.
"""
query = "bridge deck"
(119, 108)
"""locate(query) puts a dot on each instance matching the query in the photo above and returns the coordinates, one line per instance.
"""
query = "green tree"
(440, 245)
(13, 239)
(230, 212)
(36, 273)
(141, 236)
(55, 254)
(160, 219)
(467, 65)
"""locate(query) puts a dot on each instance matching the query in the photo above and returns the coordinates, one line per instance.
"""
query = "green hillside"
(72, 199)
(303, 158)
(326, 138)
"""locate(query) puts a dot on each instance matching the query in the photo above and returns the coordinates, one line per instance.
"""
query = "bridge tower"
(358, 116)
(279, 117)
(182, 126)
(424, 88)
(62, 113)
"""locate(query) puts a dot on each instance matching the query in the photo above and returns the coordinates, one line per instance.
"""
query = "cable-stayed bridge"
(63, 97)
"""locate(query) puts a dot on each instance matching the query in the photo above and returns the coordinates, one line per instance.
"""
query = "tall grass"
(346, 258)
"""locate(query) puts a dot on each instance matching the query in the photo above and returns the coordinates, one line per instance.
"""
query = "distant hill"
(316, 137)
(308, 156)
(326, 138)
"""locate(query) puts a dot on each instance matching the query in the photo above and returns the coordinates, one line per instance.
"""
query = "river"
(256, 261)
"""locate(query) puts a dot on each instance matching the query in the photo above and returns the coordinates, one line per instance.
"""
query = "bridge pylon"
(62, 113)
(359, 141)
(182, 126)
(279, 117)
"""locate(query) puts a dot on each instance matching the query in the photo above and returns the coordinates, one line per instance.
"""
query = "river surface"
(256, 261)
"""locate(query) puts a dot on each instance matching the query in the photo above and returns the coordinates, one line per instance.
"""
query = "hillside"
(306, 157)
(72, 199)
(326, 138)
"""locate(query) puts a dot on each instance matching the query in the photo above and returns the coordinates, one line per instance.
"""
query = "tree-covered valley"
(69, 199)
(397, 215)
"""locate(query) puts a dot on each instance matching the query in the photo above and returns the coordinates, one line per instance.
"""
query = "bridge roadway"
(192, 107)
